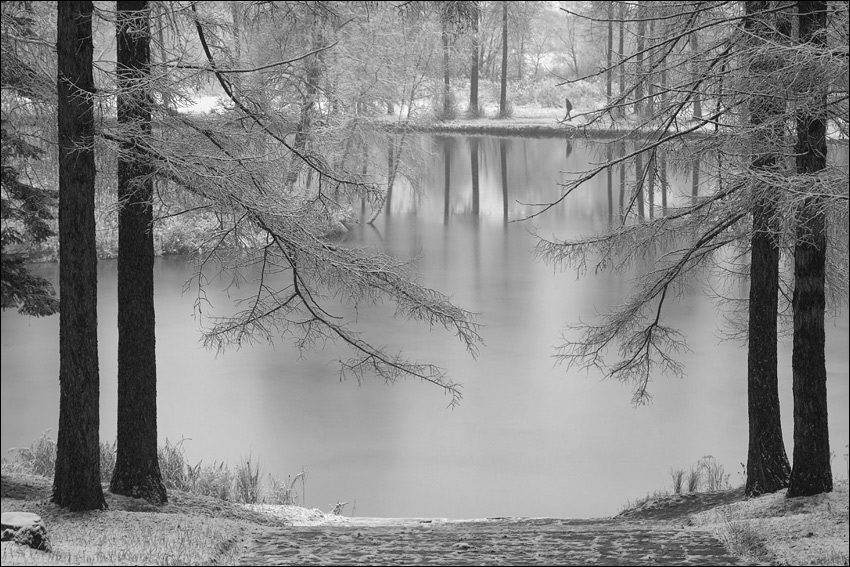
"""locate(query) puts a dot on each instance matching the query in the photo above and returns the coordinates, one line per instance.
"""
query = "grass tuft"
(743, 540)
(284, 492)
(678, 476)
(247, 484)
(694, 476)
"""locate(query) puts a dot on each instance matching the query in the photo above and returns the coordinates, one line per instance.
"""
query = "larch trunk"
(812, 471)
(76, 483)
(137, 472)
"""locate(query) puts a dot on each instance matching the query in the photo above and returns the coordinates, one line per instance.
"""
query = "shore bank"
(201, 530)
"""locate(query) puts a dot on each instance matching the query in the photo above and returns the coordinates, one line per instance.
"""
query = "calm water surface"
(528, 439)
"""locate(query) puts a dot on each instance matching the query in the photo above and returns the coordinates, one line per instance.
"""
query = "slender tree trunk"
(622, 55)
(767, 463)
(649, 107)
(520, 58)
(641, 41)
(695, 70)
(236, 17)
(490, 59)
(447, 91)
(76, 482)
(503, 95)
(473, 74)
(136, 471)
(313, 72)
(812, 471)
(609, 76)
(167, 101)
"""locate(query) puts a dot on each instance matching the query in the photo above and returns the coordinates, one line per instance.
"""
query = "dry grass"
(189, 530)
(243, 483)
(205, 521)
(770, 529)
(131, 538)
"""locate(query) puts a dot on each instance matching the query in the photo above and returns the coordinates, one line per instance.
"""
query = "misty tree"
(473, 109)
(749, 79)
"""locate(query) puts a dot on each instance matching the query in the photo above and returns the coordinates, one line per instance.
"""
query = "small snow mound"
(296, 515)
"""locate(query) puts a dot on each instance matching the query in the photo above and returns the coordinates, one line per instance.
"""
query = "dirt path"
(487, 542)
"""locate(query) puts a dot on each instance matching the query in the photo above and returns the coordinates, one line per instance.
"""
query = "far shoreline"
(536, 126)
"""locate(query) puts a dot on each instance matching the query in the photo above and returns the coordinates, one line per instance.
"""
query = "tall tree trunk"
(767, 463)
(76, 483)
(503, 95)
(520, 58)
(649, 107)
(695, 70)
(313, 73)
(448, 112)
(167, 100)
(609, 75)
(639, 54)
(236, 17)
(621, 51)
(136, 471)
(473, 74)
(812, 471)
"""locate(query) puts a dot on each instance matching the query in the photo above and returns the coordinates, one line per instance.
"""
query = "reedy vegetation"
(244, 483)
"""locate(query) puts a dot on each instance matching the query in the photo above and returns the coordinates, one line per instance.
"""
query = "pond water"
(530, 438)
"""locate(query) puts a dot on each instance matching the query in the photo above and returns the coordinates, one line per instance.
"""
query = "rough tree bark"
(812, 472)
(137, 472)
(76, 483)
(767, 463)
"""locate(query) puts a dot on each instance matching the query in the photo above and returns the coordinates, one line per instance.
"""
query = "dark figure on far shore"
(569, 108)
